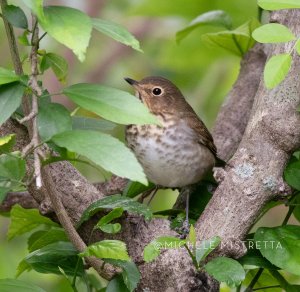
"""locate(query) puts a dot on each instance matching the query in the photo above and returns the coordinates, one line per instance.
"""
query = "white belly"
(172, 158)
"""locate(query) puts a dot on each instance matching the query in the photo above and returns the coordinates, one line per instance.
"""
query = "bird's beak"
(132, 82)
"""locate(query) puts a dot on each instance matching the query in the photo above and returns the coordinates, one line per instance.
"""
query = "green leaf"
(15, 16)
(12, 166)
(206, 247)
(53, 118)
(273, 33)
(57, 63)
(254, 259)
(57, 255)
(276, 68)
(217, 18)
(296, 211)
(297, 46)
(192, 236)
(152, 250)
(278, 4)
(116, 32)
(116, 201)
(3, 192)
(23, 40)
(69, 26)
(7, 143)
(36, 6)
(24, 220)
(42, 238)
(226, 270)
(110, 103)
(9, 285)
(116, 285)
(134, 188)
(237, 41)
(292, 174)
(280, 245)
(84, 123)
(10, 99)
(107, 249)
(104, 150)
(104, 225)
(7, 76)
(131, 275)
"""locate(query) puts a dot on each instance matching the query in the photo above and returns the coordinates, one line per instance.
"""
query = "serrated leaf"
(280, 245)
(131, 275)
(53, 118)
(237, 41)
(58, 65)
(9, 285)
(152, 250)
(273, 33)
(15, 16)
(104, 150)
(276, 68)
(53, 256)
(278, 4)
(116, 32)
(226, 270)
(42, 238)
(217, 18)
(7, 143)
(107, 249)
(85, 123)
(206, 247)
(116, 201)
(103, 223)
(69, 26)
(10, 99)
(110, 103)
(24, 220)
(12, 166)
(7, 76)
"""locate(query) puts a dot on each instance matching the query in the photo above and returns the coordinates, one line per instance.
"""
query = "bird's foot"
(185, 229)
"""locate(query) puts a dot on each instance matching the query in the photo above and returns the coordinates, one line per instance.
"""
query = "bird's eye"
(156, 91)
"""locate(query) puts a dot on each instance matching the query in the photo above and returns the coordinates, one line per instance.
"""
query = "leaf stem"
(266, 287)
(192, 256)
(73, 284)
(254, 280)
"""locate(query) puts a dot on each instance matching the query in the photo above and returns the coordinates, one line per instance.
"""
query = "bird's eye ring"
(156, 91)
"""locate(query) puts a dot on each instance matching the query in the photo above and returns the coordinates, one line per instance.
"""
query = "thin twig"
(27, 118)
(37, 91)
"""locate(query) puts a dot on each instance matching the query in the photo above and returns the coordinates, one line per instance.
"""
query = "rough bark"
(253, 178)
(255, 172)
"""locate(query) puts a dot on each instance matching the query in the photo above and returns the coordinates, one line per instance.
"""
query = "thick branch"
(235, 112)
(255, 173)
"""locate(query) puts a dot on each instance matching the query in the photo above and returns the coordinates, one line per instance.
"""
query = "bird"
(180, 151)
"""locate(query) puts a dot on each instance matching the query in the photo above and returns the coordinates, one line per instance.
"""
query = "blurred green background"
(204, 74)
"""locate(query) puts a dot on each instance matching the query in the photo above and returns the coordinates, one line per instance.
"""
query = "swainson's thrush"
(181, 151)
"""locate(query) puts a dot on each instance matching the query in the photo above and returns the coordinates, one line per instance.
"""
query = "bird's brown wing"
(202, 133)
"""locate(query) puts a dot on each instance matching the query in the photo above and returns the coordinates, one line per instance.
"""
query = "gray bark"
(253, 177)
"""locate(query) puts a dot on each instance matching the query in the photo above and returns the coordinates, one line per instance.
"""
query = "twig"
(37, 91)
(27, 118)
(74, 237)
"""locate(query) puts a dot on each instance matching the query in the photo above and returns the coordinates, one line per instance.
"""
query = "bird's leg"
(153, 194)
(186, 226)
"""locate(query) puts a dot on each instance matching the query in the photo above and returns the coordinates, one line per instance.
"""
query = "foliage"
(76, 136)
